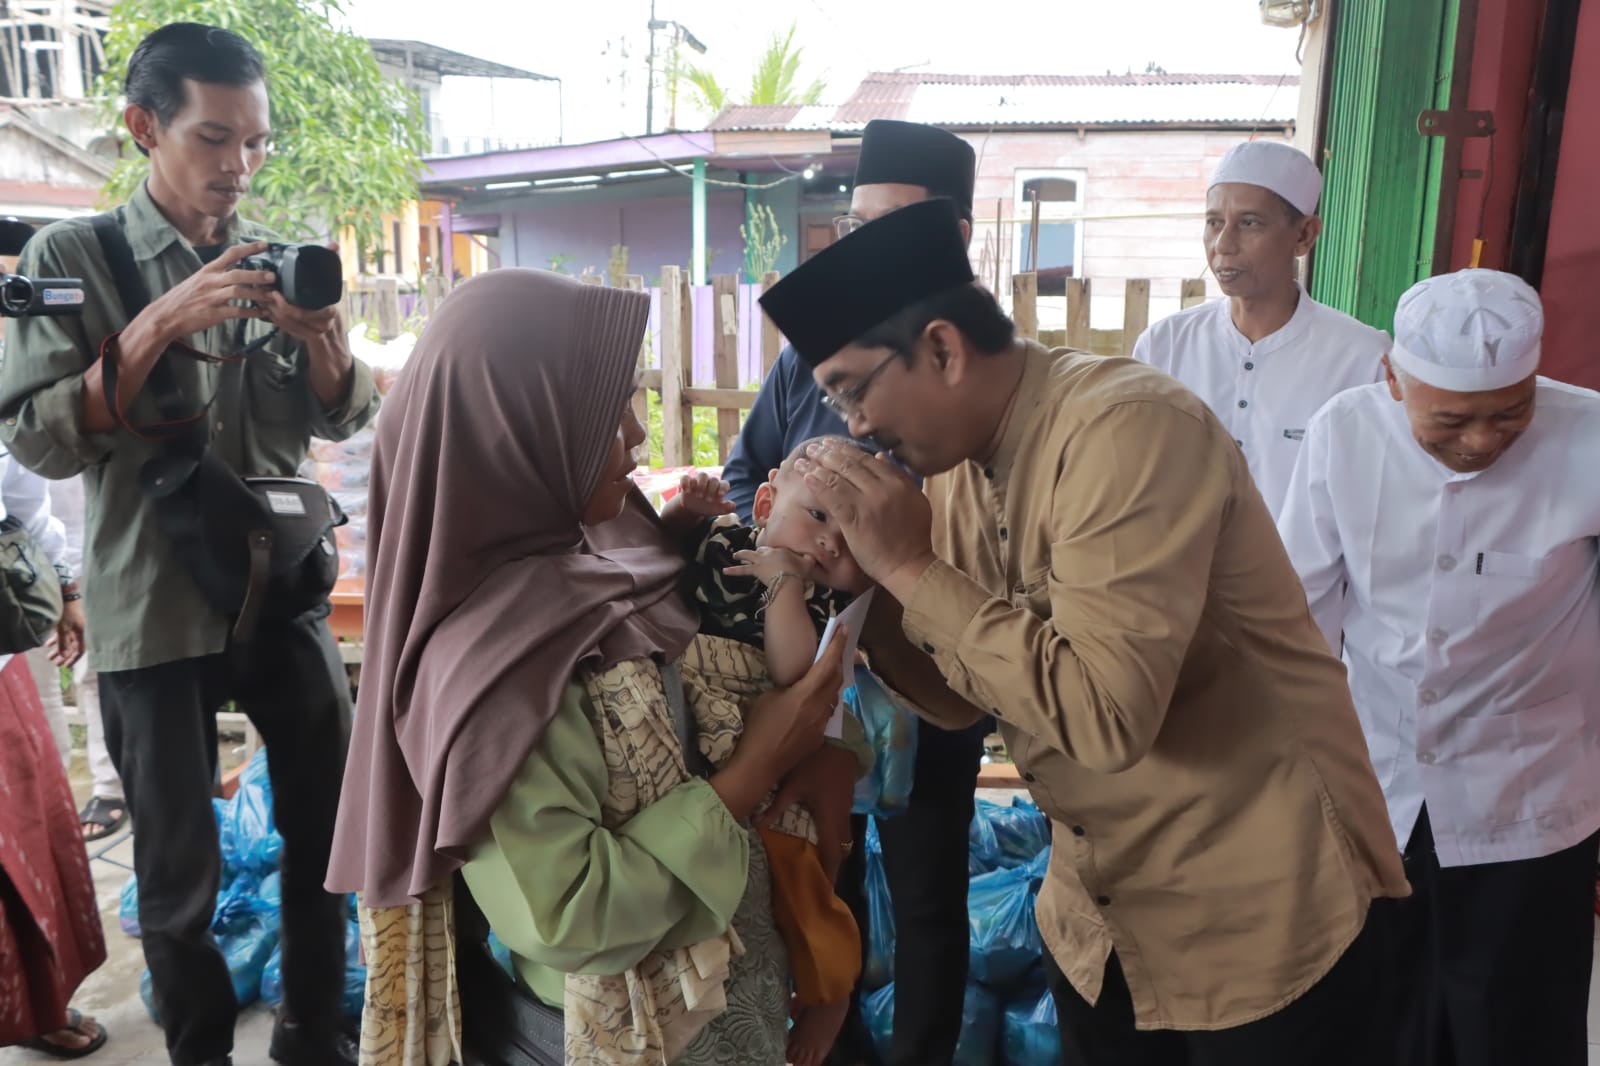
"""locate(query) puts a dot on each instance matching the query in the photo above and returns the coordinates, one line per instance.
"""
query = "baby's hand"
(705, 495)
(765, 564)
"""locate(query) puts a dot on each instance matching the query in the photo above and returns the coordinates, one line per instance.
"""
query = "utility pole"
(650, 76)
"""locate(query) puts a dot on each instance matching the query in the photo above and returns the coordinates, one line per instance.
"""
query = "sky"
(598, 47)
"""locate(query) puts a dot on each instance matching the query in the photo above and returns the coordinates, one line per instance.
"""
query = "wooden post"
(434, 290)
(725, 347)
(771, 339)
(641, 395)
(1135, 313)
(1078, 314)
(388, 308)
(1193, 292)
(677, 422)
(1025, 304)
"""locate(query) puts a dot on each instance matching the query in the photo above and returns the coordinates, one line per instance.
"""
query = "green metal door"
(1381, 178)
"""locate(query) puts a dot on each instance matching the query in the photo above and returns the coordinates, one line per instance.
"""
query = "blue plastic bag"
(245, 829)
(1005, 943)
(355, 975)
(891, 732)
(502, 955)
(878, 967)
(983, 850)
(1031, 1036)
(1021, 830)
(128, 908)
(980, 1025)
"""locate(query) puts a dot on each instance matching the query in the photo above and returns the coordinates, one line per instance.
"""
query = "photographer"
(168, 657)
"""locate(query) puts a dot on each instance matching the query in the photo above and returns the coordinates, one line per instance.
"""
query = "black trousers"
(925, 860)
(1492, 961)
(1331, 1025)
(161, 731)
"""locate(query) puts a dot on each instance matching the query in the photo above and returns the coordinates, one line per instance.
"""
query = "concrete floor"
(111, 993)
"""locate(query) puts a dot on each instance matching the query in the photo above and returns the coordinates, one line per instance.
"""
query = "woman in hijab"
(521, 715)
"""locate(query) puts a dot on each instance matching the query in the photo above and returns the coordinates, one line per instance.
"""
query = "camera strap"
(162, 384)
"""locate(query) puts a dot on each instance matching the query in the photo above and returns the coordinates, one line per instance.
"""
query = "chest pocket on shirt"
(1509, 584)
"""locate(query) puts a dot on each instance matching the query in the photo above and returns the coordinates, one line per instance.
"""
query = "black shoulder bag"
(258, 547)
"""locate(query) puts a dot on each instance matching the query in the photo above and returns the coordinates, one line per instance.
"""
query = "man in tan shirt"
(1093, 565)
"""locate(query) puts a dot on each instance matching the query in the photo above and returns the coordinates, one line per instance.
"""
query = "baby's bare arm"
(791, 638)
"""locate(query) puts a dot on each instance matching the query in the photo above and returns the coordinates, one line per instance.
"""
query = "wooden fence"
(667, 366)
(672, 379)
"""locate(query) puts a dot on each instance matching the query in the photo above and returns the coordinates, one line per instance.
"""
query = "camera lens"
(16, 295)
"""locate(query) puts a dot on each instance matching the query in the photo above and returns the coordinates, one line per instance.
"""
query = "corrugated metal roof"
(1006, 100)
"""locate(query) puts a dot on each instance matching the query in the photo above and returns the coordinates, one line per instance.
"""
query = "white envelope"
(854, 616)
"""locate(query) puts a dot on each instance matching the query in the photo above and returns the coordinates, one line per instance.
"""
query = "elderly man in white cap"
(1266, 358)
(1445, 527)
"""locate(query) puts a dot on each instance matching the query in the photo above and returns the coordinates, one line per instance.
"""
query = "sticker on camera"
(286, 503)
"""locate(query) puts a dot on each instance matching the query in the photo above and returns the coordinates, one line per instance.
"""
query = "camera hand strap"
(162, 383)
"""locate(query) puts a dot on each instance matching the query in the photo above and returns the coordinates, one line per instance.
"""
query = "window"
(1060, 197)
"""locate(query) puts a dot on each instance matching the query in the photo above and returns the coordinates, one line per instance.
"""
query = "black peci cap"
(909, 153)
(868, 277)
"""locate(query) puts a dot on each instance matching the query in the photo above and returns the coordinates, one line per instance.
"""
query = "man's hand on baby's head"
(705, 495)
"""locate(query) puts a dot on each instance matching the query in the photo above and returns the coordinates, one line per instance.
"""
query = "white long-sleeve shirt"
(1469, 611)
(1266, 393)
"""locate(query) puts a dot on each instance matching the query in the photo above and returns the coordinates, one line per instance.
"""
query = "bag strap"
(162, 384)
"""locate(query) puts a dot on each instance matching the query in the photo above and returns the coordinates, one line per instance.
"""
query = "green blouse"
(567, 895)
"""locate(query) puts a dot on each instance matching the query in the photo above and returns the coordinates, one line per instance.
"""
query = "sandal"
(106, 815)
(75, 1021)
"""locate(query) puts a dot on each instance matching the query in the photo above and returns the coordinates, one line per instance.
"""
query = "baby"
(771, 588)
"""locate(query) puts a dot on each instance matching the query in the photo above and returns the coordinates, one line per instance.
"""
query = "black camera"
(21, 296)
(308, 275)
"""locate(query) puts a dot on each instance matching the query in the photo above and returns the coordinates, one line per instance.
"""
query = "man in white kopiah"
(1267, 357)
(1445, 527)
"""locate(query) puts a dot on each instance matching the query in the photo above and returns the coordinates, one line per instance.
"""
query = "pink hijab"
(484, 591)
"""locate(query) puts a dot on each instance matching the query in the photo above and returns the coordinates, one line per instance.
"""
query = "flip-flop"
(107, 814)
(60, 1051)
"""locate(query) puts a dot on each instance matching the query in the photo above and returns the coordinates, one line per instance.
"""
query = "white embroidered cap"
(1471, 331)
(1274, 165)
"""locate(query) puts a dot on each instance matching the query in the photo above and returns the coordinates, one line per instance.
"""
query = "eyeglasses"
(848, 402)
(844, 225)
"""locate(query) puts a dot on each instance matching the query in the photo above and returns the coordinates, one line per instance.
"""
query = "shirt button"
(1437, 636)
(1249, 366)
(1078, 831)
(927, 647)
(1027, 776)
(1244, 403)
(1002, 532)
(988, 472)
(219, 427)
(1104, 901)
(1239, 442)
(1426, 758)
(1427, 697)
(1447, 562)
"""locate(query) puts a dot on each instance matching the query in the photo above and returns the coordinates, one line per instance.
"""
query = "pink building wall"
(1159, 174)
